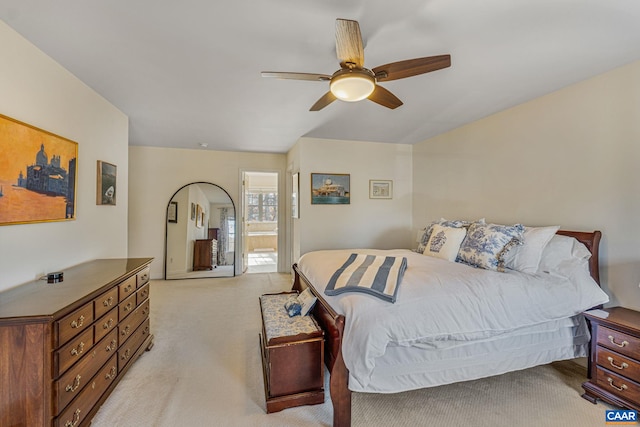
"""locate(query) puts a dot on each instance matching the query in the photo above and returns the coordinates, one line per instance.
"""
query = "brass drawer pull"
(108, 302)
(128, 307)
(624, 364)
(126, 354)
(623, 387)
(74, 421)
(622, 344)
(78, 350)
(125, 331)
(108, 324)
(77, 323)
(111, 346)
(73, 387)
(112, 373)
(144, 277)
(128, 289)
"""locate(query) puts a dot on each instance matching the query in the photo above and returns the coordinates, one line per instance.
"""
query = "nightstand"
(614, 357)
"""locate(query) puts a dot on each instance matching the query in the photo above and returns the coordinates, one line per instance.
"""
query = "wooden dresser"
(205, 254)
(64, 346)
(614, 359)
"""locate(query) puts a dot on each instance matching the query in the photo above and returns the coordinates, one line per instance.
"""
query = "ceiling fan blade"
(326, 99)
(411, 67)
(385, 98)
(349, 43)
(297, 76)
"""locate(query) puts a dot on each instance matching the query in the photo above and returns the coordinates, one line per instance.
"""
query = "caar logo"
(621, 417)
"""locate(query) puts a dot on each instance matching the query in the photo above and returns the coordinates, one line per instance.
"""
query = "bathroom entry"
(260, 222)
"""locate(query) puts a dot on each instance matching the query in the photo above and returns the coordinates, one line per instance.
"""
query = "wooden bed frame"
(333, 325)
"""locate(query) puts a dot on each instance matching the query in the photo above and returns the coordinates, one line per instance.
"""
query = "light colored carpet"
(205, 370)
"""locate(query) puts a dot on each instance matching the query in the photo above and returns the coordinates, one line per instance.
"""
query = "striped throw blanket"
(376, 275)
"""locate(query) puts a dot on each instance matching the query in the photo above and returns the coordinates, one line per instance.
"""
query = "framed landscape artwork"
(106, 184)
(380, 189)
(37, 174)
(330, 189)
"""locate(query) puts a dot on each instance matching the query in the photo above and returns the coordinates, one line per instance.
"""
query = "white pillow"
(526, 257)
(562, 253)
(445, 242)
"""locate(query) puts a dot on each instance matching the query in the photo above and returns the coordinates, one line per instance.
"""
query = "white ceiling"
(188, 72)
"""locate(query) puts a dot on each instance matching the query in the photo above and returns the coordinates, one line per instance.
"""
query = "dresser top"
(81, 283)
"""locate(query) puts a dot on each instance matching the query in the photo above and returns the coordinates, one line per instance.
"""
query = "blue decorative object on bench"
(293, 307)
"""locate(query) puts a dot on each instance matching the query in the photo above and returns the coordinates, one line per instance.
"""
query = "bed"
(398, 362)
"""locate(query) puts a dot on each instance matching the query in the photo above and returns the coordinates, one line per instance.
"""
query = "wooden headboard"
(592, 241)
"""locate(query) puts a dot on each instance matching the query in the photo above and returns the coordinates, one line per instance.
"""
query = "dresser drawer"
(615, 362)
(618, 385)
(73, 382)
(105, 302)
(127, 306)
(143, 277)
(72, 352)
(142, 294)
(74, 323)
(131, 323)
(105, 324)
(126, 288)
(75, 413)
(129, 348)
(618, 341)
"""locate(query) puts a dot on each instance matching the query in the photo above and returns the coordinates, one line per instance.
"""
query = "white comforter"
(441, 301)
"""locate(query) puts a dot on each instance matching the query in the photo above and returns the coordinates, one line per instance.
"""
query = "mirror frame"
(166, 229)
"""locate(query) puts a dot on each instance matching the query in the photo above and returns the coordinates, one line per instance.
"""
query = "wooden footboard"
(333, 325)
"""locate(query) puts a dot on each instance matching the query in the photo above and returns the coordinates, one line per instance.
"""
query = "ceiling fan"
(353, 82)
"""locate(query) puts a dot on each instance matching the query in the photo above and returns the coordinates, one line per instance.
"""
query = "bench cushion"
(279, 328)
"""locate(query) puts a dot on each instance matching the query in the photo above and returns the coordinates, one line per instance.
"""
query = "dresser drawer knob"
(77, 323)
(613, 341)
(73, 387)
(623, 387)
(78, 350)
(126, 354)
(74, 421)
(107, 324)
(125, 331)
(128, 289)
(624, 364)
(108, 302)
(111, 346)
(112, 373)
(128, 307)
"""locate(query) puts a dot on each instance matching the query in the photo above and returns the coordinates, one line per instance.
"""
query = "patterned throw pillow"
(487, 244)
(445, 242)
(422, 244)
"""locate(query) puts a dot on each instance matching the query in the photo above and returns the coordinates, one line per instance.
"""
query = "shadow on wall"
(626, 277)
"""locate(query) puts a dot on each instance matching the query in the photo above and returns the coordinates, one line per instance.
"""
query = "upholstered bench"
(292, 356)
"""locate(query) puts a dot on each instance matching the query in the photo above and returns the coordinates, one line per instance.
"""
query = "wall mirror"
(200, 230)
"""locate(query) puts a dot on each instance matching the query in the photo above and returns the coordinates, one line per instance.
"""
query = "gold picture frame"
(380, 189)
(38, 174)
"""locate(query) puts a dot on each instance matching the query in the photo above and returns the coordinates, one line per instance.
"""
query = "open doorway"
(260, 228)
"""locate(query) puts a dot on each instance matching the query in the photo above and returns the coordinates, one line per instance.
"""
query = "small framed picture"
(172, 212)
(380, 189)
(106, 184)
(295, 189)
(193, 211)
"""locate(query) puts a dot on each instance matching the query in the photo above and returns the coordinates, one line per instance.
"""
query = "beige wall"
(157, 173)
(36, 90)
(568, 158)
(365, 222)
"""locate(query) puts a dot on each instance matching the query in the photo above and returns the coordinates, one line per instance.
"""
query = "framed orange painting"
(38, 176)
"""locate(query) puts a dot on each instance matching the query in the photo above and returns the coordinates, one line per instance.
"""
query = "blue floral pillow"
(487, 244)
(426, 235)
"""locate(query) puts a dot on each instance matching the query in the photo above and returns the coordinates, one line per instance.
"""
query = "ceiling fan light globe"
(352, 87)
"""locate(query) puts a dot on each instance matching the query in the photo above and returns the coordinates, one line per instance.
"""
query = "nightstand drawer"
(618, 363)
(618, 341)
(618, 385)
